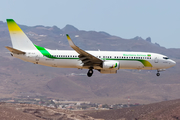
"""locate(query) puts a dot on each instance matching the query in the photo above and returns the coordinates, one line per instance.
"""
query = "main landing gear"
(90, 72)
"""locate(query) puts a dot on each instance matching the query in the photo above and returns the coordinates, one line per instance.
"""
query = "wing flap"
(15, 50)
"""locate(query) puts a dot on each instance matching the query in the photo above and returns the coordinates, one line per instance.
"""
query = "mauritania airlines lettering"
(106, 62)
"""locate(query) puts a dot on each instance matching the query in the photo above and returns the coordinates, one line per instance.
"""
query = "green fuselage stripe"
(48, 55)
(144, 62)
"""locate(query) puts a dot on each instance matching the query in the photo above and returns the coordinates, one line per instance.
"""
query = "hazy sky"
(158, 19)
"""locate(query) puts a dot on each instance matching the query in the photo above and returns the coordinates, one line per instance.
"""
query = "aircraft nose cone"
(173, 63)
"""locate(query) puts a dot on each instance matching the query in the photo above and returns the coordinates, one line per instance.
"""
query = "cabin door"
(156, 60)
(37, 59)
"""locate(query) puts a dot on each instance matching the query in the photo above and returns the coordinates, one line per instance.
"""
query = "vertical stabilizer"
(18, 38)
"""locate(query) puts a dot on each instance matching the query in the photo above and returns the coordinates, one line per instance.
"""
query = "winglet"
(70, 41)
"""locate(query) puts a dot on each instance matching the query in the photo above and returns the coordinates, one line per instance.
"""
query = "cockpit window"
(165, 58)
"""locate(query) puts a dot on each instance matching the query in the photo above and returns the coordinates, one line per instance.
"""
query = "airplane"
(106, 62)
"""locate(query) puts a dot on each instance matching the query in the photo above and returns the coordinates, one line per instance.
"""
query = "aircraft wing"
(85, 57)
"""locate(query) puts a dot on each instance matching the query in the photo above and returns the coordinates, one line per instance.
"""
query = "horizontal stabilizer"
(15, 50)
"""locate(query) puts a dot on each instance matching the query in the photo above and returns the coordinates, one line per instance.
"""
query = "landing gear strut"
(158, 74)
(90, 72)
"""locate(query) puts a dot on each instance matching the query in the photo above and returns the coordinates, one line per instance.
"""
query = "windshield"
(165, 58)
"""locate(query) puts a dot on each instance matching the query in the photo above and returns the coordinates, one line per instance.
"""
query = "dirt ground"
(167, 110)
(10, 111)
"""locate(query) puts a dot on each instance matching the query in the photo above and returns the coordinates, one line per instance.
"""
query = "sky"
(158, 19)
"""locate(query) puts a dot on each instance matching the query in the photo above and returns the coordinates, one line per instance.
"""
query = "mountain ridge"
(22, 78)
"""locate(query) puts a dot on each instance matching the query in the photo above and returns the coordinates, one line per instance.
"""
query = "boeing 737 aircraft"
(106, 62)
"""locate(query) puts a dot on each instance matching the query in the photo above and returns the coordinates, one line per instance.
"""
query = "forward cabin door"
(156, 60)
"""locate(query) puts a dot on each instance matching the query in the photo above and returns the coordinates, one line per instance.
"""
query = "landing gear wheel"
(158, 74)
(90, 72)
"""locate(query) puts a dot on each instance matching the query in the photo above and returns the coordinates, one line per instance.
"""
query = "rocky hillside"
(167, 110)
(18, 78)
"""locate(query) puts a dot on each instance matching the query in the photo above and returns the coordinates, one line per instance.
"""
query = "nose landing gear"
(158, 74)
(90, 72)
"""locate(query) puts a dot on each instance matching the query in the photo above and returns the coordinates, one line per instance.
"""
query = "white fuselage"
(106, 62)
(127, 60)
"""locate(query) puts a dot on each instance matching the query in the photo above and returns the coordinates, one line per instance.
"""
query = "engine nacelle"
(111, 65)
